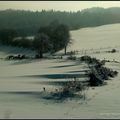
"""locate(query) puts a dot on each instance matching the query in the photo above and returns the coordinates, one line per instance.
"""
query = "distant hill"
(28, 22)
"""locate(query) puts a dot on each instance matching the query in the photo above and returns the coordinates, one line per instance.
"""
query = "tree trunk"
(41, 54)
(41, 50)
(65, 50)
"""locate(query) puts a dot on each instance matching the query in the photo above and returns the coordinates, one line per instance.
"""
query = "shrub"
(113, 51)
(98, 72)
(95, 80)
(71, 57)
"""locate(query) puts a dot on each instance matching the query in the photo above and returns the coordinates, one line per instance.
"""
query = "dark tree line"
(7, 36)
(50, 38)
(28, 22)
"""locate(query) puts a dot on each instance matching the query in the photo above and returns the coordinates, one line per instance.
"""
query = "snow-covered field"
(21, 82)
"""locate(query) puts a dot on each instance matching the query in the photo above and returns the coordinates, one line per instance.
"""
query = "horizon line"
(47, 10)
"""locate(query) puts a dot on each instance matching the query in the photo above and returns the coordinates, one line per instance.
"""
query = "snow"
(96, 37)
(22, 82)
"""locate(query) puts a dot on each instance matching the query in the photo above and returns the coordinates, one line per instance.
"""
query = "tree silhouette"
(62, 36)
(58, 34)
(41, 44)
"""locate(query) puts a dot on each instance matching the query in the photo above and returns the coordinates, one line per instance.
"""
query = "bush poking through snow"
(98, 73)
(92, 61)
(70, 90)
(95, 79)
(16, 57)
(72, 57)
(113, 51)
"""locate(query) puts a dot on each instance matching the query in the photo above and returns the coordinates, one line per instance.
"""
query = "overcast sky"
(56, 5)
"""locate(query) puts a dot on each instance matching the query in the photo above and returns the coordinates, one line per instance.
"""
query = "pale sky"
(56, 5)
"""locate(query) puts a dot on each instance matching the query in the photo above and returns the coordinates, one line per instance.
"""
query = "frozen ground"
(22, 82)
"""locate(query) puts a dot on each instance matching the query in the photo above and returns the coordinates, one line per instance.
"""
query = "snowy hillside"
(96, 37)
(21, 82)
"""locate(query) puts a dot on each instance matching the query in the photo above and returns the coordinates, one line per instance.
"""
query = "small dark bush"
(98, 72)
(16, 57)
(95, 80)
(72, 57)
(69, 90)
(113, 51)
